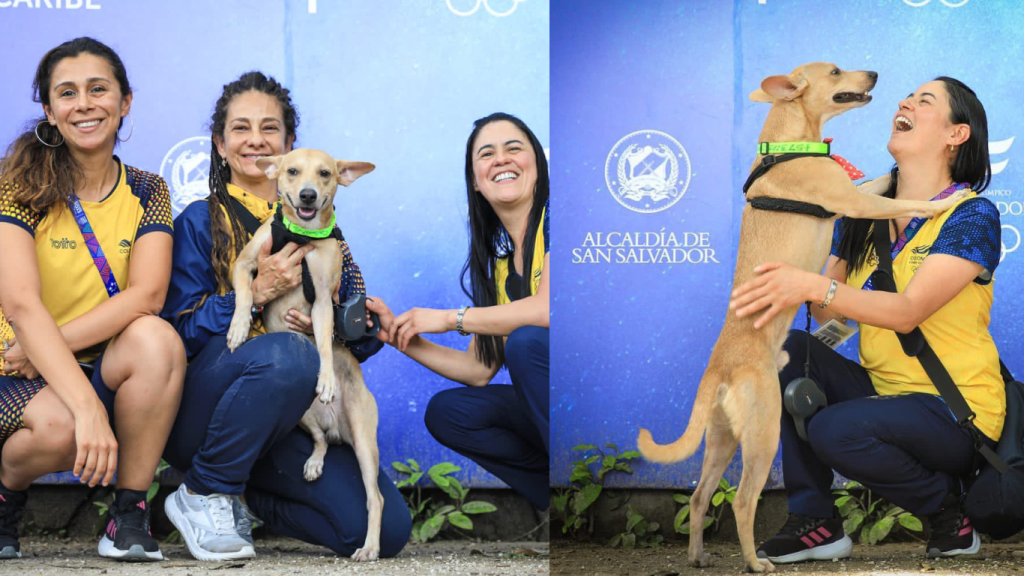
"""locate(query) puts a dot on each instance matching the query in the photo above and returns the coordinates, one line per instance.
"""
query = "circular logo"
(643, 171)
(949, 3)
(512, 5)
(186, 168)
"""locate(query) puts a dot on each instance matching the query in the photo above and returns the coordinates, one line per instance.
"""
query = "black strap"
(915, 344)
(280, 236)
(250, 222)
(782, 204)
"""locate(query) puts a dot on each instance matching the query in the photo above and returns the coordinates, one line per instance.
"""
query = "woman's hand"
(384, 314)
(420, 321)
(96, 459)
(278, 273)
(777, 287)
(16, 361)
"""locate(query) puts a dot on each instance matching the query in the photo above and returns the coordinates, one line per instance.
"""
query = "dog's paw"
(762, 565)
(237, 334)
(366, 554)
(703, 560)
(948, 202)
(313, 469)
(326, 386)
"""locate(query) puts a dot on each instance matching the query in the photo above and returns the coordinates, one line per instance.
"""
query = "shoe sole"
(185, 529)
(9, 552)
(974, 548)
(841, 548)
(134, 554)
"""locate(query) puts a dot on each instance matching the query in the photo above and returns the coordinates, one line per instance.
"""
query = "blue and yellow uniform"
(236, 431)
(139, 203)
(885, 425)
(510, 284)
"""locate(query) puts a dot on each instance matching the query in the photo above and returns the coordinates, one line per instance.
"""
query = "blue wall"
(631, 340)
(396, 83)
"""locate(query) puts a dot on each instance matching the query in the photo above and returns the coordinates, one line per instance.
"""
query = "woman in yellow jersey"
(86, 261)
(502, 428)
(235, 436)
(886, 425)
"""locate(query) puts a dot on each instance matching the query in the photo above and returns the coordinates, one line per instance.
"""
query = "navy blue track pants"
(906, 448)
(236, 431)
(504, 428)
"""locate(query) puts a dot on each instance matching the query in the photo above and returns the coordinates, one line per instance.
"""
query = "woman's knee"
(440, 415)
(148, 344)
(53, 428)
(527, 343)
(289, 363)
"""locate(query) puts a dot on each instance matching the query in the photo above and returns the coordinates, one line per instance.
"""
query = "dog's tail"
(688, 443)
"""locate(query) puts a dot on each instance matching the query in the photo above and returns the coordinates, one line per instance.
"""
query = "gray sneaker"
(207, 525)
(245, 520)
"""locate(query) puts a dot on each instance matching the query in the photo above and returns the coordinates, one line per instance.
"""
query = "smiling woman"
(77, 225)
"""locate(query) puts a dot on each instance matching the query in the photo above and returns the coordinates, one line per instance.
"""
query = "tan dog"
(738, 398)
(345, 410)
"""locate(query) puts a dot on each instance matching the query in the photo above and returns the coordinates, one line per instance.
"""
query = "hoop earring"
(44, 142)
(130, 131)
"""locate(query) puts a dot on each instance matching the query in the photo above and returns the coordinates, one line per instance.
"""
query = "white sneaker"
(207, 524)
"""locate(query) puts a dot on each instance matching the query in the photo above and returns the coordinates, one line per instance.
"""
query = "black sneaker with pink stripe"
(127, 536)
(804, 538)
(951, 531)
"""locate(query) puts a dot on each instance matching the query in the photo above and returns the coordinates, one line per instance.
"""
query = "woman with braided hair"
(235, 436)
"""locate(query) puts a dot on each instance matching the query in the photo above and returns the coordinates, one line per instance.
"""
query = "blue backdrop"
(655, 135)
(396, 83)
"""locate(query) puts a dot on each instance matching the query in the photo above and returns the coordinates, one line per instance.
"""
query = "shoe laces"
(798, 524)
(220, 507)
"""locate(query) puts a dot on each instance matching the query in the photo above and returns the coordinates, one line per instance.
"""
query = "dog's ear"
(761, 96)
(271, 166)
(782, 88)
(348, 171)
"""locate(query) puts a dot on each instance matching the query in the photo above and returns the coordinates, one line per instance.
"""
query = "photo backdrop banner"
(396, 83)
(656, 135)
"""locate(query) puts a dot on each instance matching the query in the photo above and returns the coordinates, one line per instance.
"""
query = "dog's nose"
(872, 74)
(307, 195)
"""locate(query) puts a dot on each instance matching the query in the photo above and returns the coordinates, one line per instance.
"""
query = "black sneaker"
(804, 538)
(12, 507)
(127, 536)
(951, 531)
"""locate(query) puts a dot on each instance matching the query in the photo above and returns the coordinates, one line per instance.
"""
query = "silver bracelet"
(831, 293)
(458, 321)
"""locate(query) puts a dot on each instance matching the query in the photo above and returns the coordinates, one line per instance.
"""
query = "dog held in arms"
(738, 399)
(345, 410)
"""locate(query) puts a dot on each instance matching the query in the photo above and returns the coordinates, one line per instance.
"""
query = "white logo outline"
(999, 147)
(486, 4)
(947, 3)
(658, 181)
(181, 161)
(1003, 249)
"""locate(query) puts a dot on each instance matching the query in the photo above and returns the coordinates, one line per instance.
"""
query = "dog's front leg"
(323, 332)
(875, 187)
(241, 280)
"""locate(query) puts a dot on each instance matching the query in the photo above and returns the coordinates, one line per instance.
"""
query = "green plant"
(640, 533)
(725, 494)
(874, 517)
(575, 503)
(429, 518)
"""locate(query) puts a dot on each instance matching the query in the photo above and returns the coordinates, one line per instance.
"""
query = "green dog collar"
(793, 148)
(318, 234)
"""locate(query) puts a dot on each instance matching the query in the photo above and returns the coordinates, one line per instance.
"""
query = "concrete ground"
(276, 555)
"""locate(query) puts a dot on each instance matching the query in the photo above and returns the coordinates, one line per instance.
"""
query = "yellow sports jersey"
(958, 332)
(71, 285)
(540, 248)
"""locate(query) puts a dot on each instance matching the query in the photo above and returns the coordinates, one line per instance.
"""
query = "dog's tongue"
(306, 212)
(851, 170)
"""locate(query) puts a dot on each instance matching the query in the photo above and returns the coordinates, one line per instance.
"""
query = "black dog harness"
(776, 153)
(282, 232)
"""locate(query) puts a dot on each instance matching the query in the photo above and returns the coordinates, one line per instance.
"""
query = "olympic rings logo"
(948, 3)
(1016, 243)
(486, 4)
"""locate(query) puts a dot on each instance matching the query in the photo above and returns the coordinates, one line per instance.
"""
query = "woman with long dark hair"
(86, 261)
(502, 428)
(886, 425)
(236, 437)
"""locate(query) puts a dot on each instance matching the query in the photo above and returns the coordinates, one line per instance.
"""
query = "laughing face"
(86, 103)
(504, 164)
(254, 128)
(922, 125)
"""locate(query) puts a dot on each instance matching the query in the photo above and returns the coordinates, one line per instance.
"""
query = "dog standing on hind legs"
(738, 399)
(345, 410)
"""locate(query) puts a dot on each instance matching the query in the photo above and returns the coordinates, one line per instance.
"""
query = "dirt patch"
(278, 556)
(569, 558)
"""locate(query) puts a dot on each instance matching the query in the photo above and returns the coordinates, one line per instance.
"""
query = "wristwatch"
(458, 321)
